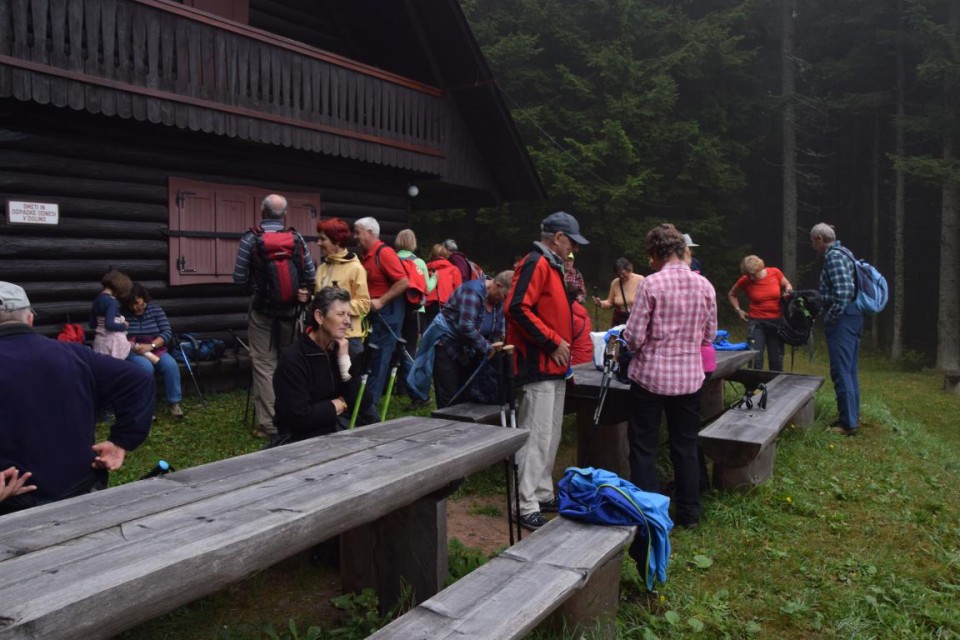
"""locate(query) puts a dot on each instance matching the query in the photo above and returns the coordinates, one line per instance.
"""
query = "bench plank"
(94, 584)
(470, 412)
(511, 594)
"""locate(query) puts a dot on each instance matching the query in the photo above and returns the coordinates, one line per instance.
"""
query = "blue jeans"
(843, 346)
(385, 329)
(169, 370)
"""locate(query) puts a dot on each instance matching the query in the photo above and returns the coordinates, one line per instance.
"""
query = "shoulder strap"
(623, 293)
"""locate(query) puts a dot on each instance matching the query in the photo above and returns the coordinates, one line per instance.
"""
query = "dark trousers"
(843, 346)
(683, 424)
(411, 333)
(448, 375)
(763, 332)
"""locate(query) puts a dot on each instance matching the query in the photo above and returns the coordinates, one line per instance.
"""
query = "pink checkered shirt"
(674, 312)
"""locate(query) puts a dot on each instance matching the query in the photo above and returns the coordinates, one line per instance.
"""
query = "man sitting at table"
(313, 383)
(50, 392)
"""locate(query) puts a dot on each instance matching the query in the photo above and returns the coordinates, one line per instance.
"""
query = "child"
(105, 316)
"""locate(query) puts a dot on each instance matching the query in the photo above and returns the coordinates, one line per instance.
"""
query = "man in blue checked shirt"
(843, 325)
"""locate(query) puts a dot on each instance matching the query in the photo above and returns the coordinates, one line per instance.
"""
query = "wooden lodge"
(156, 127)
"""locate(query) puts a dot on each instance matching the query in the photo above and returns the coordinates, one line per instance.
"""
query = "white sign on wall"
(33, 212)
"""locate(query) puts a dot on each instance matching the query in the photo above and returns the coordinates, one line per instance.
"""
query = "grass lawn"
(853, 537)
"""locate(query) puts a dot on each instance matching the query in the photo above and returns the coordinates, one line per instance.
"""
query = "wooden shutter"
(303, 213)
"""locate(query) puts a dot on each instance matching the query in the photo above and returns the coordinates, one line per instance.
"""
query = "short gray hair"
(326, 297)
(20, 315)
(370, 224)
(504, 279)
(450, 244)
(273, 206)
(825, 231)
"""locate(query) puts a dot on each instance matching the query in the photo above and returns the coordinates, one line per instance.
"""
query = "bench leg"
(711, 402)
(751, 475)
(592, 611)
(610, 449)
(405, 549)
(806, 416)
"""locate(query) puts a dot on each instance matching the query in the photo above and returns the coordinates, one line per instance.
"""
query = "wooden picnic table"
(93, 566)
(611, 449)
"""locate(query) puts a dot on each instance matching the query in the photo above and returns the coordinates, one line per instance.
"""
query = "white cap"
(689, 240)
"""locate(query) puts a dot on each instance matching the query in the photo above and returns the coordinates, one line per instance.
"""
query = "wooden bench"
(566, 566)
(470, 412)
(93, 566)
(742, 442)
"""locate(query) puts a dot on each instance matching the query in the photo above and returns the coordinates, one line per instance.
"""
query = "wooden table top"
(95, 565)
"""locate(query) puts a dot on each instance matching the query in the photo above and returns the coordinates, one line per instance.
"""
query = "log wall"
(110, 178)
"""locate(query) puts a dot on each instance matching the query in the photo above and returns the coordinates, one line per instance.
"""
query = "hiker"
(50, 392)
(463, 264)
(448, 278)
(314, 382)
(539, 325)
(623, 289)
(581, 348)
(151, 337)
(695, 265)
(469, 329)
(406, 243)
(573, 277)
(674, 313)
(105, 317)
(342, 268)
(764, 287)
(842, 326)
(273, 261)
(387, 281)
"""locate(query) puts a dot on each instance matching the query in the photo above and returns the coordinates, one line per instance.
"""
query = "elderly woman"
(150, 337)
(341, 268)
(314, 384)
(763, 286)
(674, 312)
(469, 328)
(623, 289)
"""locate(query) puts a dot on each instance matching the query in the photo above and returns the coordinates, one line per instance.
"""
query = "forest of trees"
(744, 122)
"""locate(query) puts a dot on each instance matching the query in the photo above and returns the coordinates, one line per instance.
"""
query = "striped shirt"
(837, 283)
(675, 310)
(152, 323)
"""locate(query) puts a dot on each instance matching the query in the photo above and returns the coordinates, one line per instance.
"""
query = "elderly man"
(274, 262)
(842, 325)
(387, 282)
(540, 326)
(469, 328)
(50, 392)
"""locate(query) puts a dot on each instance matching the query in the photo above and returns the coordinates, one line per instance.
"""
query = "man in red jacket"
(540, 326)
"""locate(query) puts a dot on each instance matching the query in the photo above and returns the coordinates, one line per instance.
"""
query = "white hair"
(273, 206)
(825, 231)
(370, 224)
(450, 244)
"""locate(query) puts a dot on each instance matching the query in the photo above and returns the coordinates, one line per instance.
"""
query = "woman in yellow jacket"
(342, 268)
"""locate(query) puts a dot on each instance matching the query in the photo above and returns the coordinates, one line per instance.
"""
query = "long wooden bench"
(93, 566)
(470, 412)
(742, 442)
(566, 566)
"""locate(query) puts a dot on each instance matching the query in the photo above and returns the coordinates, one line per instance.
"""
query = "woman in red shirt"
(764, 286)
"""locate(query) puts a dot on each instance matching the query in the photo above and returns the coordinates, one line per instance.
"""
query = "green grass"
(853, 537)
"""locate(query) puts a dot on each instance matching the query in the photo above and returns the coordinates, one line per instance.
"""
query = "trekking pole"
(398, 352)
(512, 402)
(365, 361)
(193, 376)
(502, 379)
(162, 468)
(246, 406)
(611, 354)
(466, 384)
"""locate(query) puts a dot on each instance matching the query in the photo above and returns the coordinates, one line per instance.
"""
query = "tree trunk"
(896, 344)
(948, 320)
(874, 335)
(789, 238)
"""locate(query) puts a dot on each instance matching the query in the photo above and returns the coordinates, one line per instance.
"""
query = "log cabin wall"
(110, 179)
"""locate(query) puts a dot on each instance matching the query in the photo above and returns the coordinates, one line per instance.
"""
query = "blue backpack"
(872, 290)
(598, 496)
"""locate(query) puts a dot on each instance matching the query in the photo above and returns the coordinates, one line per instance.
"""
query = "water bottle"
(162, 467)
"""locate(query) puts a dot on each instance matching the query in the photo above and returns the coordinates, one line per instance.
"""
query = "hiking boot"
(843, 430)
(533, 521)
(176, 411)
(417, 404)
(550, 506)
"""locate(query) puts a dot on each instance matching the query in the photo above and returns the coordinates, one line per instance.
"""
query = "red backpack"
(72, 333)
(417, 287)
(278, 258)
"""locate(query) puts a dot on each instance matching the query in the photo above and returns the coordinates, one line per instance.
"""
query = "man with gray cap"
(50, 392)
(540, 326)
(274, 262)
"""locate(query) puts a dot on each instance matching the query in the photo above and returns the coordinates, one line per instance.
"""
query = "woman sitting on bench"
(150, 336)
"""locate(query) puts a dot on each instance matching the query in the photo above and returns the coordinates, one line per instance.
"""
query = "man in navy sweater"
(50, 393)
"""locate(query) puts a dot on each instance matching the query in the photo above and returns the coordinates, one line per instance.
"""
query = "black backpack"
(277, 259)
(800, 310)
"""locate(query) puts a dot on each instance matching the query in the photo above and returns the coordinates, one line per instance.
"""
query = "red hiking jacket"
(448, 279)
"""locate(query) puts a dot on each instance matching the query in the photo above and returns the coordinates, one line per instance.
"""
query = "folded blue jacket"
(598, 496)
(721, 343)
